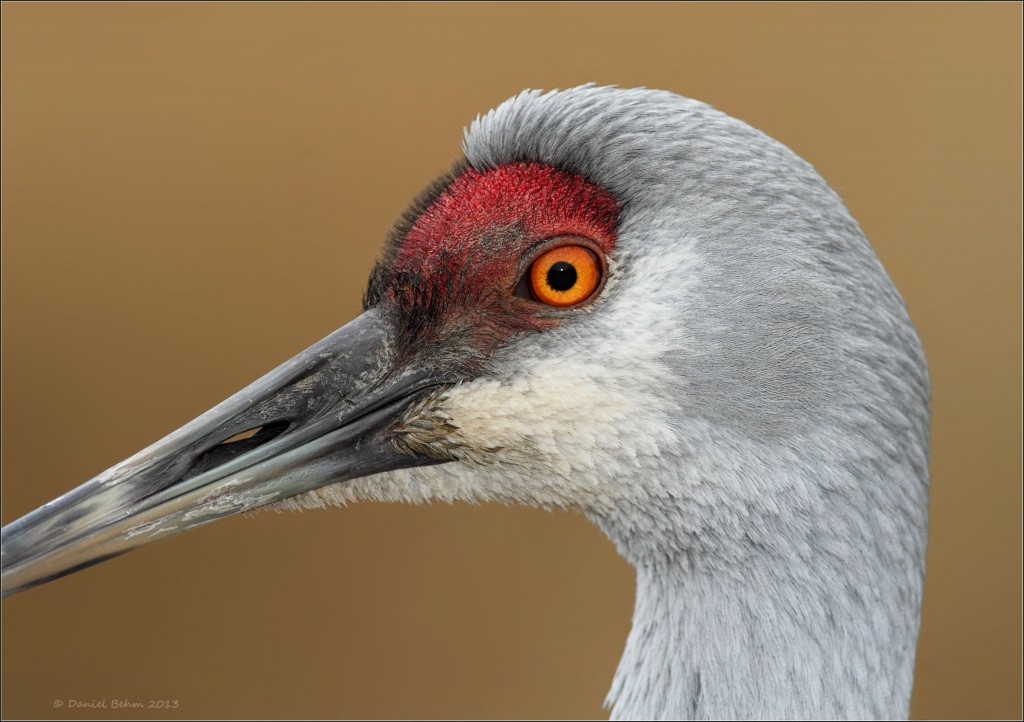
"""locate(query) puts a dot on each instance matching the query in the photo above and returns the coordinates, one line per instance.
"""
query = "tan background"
(194, 192)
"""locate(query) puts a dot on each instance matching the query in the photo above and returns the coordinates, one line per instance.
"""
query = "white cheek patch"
(559, 419)
(560, 434)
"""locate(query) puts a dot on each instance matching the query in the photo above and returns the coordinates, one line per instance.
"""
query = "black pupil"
(562, 276)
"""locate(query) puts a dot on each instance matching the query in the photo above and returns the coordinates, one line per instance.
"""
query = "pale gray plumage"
(780, 543)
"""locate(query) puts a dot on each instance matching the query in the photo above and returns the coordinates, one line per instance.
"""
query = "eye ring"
(564, 275)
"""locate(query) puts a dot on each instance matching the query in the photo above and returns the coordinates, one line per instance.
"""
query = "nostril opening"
(243, 435)
(258, 435)
(236, 445)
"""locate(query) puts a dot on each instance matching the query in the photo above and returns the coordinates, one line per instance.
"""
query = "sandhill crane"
(626, 303)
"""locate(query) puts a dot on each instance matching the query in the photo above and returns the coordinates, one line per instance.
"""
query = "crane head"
(622, 302)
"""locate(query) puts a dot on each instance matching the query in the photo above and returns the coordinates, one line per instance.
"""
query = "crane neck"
(763, 642)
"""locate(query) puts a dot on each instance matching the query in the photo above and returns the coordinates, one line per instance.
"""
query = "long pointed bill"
(317, 419)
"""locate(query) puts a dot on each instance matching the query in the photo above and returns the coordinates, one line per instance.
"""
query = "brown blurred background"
(194, 192)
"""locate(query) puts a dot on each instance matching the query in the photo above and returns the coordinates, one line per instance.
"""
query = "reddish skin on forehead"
(538, 200)
(455, 272)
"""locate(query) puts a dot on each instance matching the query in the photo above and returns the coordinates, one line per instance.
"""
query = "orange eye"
(564, 276)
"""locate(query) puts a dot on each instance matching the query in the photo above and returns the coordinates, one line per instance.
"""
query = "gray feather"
(780, 540)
